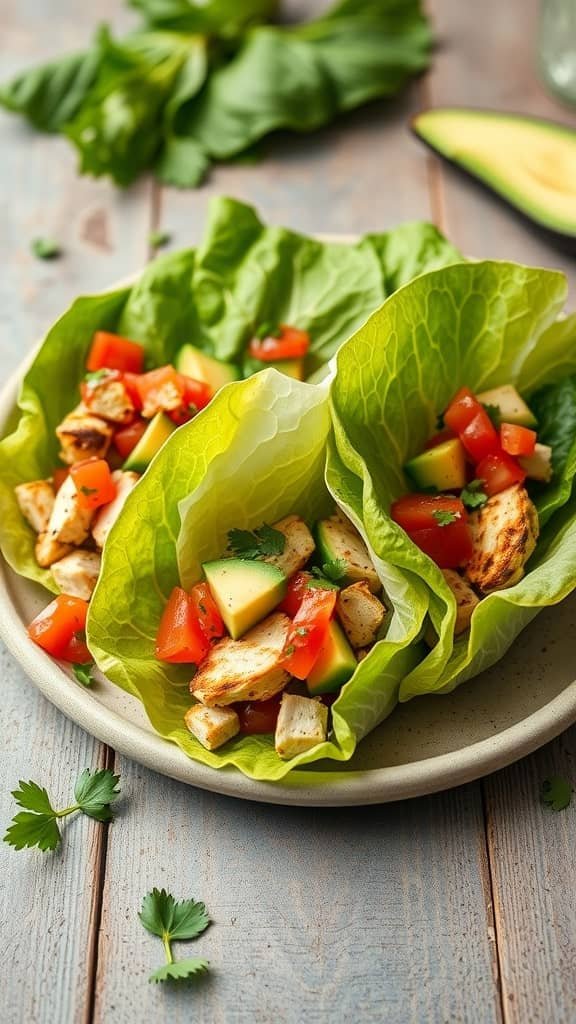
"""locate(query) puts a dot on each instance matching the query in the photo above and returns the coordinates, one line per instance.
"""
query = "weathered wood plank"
(364, 914)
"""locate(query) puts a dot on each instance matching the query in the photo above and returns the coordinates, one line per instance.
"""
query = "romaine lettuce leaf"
(257, 453)
(482, 325)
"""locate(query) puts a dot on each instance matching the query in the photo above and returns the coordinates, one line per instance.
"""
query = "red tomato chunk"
(55, 626)
(112, 352)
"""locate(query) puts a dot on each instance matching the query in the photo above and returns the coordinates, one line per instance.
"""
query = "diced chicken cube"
(361, 614)
(299, 545)
(83, 436)
(504, 534)
(212, 726)
(36, 501)
(246, 669)
(48, 550)
(69, 523)
(105, 394)
(302, 724)
(108, 514)
(344, 544)
(466, 599)
(165, 398)
(77, 573)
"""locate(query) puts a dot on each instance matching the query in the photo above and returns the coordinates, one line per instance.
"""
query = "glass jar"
(557, 47)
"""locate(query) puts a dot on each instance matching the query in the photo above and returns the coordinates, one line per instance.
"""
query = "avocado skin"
(563, 241)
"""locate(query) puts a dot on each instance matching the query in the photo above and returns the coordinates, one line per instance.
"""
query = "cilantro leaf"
(33, 797)
(30, 829)
(445, 518)
(252, 544)
(179, 969)
(494, 414)
(473, 495)
(556, 793)
(95, 791)
(334, 570)
(95, 376)
(46, 249)
(158, 239)
(83, 673)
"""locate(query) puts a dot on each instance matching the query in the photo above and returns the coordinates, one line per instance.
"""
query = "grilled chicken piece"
(69, 524)
(361, 614)
(302, 723)
(466, 599)
(106, 395)
(83, 435)
(299, 545)
(77, 573)
(345, 544)
(246, 669)
(162, 399)
(36, 501)
(504, 534)
(212, 726)
(108, 514)
(48, 551)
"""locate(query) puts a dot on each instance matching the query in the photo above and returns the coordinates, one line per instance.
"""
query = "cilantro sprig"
(556, 793)
(259, 543)
(328, 576)
(474, 495)
(174, 921)
(83, 673)
(37, 824)
(158, 239)
(46, 249)
(444, 517)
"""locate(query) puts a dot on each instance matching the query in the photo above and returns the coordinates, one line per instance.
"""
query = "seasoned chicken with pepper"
(504, 534)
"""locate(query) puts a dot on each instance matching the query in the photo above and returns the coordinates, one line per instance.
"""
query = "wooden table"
(456, 908)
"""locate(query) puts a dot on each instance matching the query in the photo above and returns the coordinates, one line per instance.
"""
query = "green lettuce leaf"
(244, 273)
(482, 325)
(227, 16)
(257, 453)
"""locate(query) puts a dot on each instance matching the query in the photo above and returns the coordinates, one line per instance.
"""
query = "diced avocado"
(335, 664)
(338, 541)
(511, 405)
(443, 467)
(244, 591)
(487, 144)
(538, 466)
(291, 367)
(196, 364)
(156, 433)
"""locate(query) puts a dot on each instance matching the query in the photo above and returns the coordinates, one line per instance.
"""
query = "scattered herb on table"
(158, 239)
(556, 793)
(37, 824)
(259, 543)
(174, 921)
(197, 83)
(45, 248)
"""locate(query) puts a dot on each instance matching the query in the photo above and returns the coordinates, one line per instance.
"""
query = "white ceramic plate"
(429, 744)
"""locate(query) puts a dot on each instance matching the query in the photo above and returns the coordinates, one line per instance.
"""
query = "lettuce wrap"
(243, 274)
(481, 325)
(256, 453)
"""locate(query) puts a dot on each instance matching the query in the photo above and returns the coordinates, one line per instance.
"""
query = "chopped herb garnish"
(259, 543)
(444, 517)
(556, 793)
(88, 490)
(289, 651)
(46, 249)
(473, 495)
(83, 673)
(170, 921)
(494, 414)
(37, 825)
(158, 239)
(267, 330)
(95, 376)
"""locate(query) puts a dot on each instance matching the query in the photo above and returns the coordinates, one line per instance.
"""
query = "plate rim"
(301, 788)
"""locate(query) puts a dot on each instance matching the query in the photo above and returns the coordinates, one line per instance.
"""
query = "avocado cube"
(244, 591)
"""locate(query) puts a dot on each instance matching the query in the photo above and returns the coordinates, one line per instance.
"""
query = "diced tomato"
(161, 389)
(308, 631)
(94, 483)
(449, 546)
(291, 343)
(55, 626)
(76, 651)
(498, 472)
(258, 717)
(440, 438)
(206, 612)
(462, 409)
(196, 392)
(480, 437)
(297, 587)
(180, 638)
(131, 385)
(58, 477)
(126, 439)
(112, 352)
(416, 511)
(517, 440)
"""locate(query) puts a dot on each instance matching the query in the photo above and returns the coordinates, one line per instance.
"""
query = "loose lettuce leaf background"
(479, 324)
(257, 453)
(244, 273)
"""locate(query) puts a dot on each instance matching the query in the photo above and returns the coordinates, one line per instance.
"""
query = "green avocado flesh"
(443, 467)
(196, 364)
(291, 367)
(245, 592)
(529, 162)
(156, 433)
(510, 405)
(335, 665)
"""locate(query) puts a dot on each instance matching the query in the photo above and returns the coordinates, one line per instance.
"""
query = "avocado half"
(527, 161)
